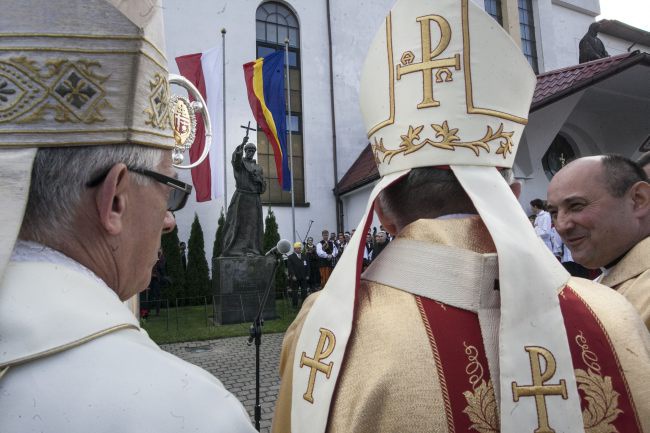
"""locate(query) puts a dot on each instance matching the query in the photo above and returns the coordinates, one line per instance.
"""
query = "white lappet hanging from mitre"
(444, 85)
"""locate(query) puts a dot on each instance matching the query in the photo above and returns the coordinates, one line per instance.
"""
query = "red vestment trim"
(602, 387)
(470, 405)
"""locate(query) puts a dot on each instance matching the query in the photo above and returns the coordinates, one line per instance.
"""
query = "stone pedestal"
(239, 288)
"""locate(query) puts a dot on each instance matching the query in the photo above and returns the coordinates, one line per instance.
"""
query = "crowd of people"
(310, 265)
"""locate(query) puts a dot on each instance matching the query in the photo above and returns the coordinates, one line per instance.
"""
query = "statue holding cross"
(244, 229)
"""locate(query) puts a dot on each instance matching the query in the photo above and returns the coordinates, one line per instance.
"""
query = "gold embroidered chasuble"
(392, 382)
(631, 278)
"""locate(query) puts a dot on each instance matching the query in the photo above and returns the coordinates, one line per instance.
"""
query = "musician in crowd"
(327, 253)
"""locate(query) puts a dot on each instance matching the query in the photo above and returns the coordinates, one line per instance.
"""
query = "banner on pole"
(204, 70)
(265, 84)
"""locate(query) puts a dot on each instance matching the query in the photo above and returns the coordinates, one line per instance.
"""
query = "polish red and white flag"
(204, 70)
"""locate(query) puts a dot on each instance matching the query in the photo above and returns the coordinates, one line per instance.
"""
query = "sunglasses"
(178, 194)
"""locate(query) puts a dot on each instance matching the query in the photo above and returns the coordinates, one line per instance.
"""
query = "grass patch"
(189, 324)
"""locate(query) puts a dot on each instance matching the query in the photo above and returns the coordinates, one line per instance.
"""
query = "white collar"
(29, 251)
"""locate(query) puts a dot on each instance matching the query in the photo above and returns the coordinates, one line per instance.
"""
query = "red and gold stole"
(470, 404)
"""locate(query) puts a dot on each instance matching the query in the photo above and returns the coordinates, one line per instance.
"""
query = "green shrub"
(197, 276)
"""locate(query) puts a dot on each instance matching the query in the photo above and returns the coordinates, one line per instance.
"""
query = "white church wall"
(559, 26)
(354, 25)
(543, 126)
(615, 46)
(194, 26)
(354, 205)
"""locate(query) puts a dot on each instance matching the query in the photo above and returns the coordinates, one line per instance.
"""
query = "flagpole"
(223, 79)
(293, 202)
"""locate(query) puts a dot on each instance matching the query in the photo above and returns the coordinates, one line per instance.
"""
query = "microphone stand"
(256, 335)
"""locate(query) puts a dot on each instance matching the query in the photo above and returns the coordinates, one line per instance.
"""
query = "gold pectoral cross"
(538, 389)
(429, 61)
(324, 348)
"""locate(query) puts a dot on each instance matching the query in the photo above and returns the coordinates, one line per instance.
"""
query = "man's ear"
(111, 199)
(516, 189)
(384, 219)
(640, 195)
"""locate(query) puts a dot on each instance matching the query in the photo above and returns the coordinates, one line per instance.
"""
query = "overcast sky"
(633, 12)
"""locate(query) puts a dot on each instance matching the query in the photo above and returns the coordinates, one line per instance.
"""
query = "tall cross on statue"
(248, 128)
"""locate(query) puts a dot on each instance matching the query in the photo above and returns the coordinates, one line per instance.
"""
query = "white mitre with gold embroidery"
(444, 85)
(78, 73)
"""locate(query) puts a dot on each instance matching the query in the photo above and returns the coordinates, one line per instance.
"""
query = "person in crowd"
(157, 282)
(601, 208)
(341, 243)
(183, 249)
(368, 250)
(465, 321)
(92, 189)
(381, 242)
(314, 265)
(542, 222)
(298, 268)
(326, 252)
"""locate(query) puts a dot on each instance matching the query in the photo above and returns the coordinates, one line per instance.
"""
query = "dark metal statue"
(591, 47)
(244, 228)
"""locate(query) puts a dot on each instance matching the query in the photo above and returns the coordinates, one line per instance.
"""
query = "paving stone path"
(232, 361)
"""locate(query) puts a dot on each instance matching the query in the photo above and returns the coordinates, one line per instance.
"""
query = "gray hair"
(59, 177)
(428, 192)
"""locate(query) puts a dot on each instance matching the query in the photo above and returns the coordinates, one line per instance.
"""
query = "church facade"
(581, 111)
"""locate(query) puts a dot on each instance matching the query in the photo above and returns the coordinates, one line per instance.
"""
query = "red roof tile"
(551, 86)
(557, 84)
(362, 172)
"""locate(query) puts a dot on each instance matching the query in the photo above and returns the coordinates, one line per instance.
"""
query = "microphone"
(282, 247)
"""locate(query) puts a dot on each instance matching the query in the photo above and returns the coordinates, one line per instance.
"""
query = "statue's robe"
(414, 364)
(631, 278)
(591, 48)
(73, 359)
(244, 229)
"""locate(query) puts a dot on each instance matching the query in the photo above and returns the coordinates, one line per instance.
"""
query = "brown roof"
(362, 172)
(551, 86)
(560, 83)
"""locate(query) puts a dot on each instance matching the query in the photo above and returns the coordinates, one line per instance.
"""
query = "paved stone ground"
(232, 361)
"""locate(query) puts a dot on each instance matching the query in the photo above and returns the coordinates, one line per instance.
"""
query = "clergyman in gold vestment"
(466, 321)
(390, 381)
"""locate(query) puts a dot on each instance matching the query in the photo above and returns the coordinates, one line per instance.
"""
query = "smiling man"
(88, 185)
(601, 209)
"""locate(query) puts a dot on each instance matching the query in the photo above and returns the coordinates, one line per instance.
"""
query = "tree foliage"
(217, 248)
(197, 276)
(271, 239)
(173, 267)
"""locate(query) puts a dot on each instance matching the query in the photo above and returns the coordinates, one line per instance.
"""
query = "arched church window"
(275, 22)
(558, 154)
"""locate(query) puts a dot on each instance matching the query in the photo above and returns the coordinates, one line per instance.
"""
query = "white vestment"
(75, 360)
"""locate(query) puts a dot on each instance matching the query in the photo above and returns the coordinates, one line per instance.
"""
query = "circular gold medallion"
(184, 122)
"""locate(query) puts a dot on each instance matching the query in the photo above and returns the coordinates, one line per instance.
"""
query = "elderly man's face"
(148, 219)
(596, 226)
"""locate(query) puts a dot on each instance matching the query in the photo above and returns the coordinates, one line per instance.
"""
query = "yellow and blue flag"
(266, 96)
